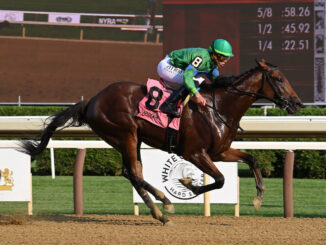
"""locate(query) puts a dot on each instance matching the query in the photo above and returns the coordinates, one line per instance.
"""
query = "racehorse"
(205, 133)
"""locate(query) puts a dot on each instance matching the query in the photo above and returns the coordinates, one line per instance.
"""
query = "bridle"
(277, 99)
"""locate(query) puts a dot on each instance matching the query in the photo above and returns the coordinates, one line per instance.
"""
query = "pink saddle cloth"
(150, 104)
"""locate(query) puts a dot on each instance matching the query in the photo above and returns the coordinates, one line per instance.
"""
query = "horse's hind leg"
(159, 195)
(233, 155)
(133, 171)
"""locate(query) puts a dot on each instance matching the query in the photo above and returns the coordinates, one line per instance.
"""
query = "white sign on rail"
(15, 176)
(11, 16)
(163, 171)
(64, 18)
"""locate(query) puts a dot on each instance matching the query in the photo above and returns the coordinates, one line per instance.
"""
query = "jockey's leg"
(170, 106)
(173, 74)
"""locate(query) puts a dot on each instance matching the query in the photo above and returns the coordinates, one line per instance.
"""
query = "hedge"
(97, 162)
(308, 164)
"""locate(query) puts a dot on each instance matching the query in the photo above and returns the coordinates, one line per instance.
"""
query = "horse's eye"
(278, 79)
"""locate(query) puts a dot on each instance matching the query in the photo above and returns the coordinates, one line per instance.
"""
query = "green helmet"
(221, 46)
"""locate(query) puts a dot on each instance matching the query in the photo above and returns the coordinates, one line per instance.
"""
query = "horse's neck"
(234, 104)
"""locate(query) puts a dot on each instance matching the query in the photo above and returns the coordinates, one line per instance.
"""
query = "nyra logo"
(6, 180)
(176, 168)
(65, 19)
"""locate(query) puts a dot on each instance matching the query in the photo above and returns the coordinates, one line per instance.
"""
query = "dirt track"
(123, 229)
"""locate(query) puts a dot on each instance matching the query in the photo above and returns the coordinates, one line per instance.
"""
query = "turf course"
(113, 195)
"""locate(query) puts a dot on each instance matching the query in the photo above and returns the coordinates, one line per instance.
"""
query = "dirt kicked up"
(127, 229)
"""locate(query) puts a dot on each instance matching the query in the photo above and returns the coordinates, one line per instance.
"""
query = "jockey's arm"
(189, 83)
(213, 74)
(188, 77)
(220, 81)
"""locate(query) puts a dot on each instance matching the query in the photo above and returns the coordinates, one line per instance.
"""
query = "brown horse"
(205, 133)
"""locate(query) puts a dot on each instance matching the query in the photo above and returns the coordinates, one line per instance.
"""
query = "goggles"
(222, 57)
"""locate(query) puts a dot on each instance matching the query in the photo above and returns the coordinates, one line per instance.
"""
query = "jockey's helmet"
(222, 47)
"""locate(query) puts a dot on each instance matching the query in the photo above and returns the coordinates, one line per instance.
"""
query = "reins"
(218, 115)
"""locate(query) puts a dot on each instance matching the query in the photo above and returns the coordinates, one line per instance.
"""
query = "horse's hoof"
(257, 203)
(169, 208)
(168, 223)
(186, 181)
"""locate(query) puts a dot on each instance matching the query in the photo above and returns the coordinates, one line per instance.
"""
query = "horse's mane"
(237, 79)
(245, 75)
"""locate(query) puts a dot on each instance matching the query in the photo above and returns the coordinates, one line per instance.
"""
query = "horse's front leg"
(233, 155)
(205, 164)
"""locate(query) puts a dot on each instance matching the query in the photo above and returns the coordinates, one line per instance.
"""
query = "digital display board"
(289, 34)
(286, 34)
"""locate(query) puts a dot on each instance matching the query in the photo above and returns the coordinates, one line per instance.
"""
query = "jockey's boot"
(170, 106)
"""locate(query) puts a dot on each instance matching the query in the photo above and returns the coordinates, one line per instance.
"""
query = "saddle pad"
(150, 104)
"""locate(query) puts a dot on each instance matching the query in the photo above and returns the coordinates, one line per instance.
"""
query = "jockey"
(184, 66)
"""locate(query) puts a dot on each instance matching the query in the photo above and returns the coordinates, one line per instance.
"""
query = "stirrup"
(169, 110)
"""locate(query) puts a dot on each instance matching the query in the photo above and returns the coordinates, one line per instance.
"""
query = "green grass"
(113, 195)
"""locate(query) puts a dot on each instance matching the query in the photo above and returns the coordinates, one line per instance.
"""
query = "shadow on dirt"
(99, 219)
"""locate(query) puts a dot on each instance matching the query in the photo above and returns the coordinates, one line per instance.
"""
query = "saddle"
(157, 93)
(149, 106)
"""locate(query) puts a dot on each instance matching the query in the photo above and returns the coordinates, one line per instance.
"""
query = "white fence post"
(207, 204)
(52, 162)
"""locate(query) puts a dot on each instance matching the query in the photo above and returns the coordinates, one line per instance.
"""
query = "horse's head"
(276, 87)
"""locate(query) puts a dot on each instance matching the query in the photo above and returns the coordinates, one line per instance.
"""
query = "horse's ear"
(262, 64)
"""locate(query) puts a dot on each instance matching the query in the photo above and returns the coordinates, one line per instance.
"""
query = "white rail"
(93, 14)
(123, 27)
(254, 126)
(241, 145)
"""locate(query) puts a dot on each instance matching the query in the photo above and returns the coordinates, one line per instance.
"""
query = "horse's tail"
(74, 113)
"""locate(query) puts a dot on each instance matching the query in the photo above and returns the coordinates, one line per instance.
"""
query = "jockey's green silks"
(194, 61)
